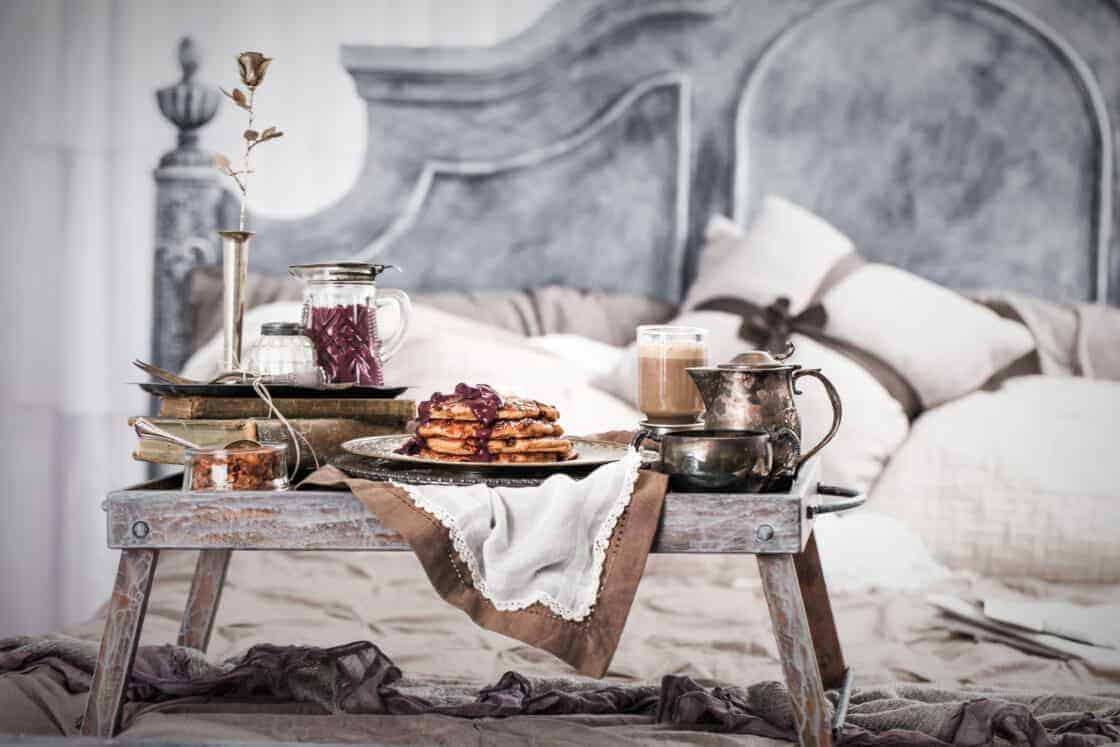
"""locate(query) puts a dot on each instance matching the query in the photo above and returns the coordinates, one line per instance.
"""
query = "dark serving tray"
(369, 468)
(279, 391)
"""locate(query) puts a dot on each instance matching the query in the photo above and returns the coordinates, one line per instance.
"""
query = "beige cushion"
(601, 316)
(1018, 482)
(941, 342)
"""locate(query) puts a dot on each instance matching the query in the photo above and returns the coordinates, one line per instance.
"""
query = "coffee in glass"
(666, 393)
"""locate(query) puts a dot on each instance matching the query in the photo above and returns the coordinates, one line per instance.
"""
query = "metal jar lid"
(754, 360)
(282, 329)
(337, 272)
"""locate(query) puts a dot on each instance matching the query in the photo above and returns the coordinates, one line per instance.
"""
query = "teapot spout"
(708, 382)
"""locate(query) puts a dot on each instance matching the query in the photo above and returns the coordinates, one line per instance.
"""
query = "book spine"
(375, 410)
(325, 435)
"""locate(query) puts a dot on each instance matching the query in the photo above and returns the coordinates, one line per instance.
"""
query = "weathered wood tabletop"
(160, 515)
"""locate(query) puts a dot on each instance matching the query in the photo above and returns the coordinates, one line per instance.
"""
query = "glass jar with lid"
(284, 355)
(340, 304)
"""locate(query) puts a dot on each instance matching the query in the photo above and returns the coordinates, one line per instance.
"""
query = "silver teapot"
(755, 391)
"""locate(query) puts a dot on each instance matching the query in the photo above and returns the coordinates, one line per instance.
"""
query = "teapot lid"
(338, 272)
(759, 359)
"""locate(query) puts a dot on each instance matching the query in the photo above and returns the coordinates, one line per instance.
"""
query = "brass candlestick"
(235, 256)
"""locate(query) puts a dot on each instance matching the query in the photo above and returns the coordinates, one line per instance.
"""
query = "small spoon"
(147, 429)
(164, 375)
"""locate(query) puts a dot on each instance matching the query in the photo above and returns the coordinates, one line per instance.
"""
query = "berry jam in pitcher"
(340, 303)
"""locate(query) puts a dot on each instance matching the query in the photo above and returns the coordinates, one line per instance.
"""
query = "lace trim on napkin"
(588, 596)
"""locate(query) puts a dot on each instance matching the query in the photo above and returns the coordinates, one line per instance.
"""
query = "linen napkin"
(555, 566)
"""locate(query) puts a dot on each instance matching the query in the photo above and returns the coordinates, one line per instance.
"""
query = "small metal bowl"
(717, 460)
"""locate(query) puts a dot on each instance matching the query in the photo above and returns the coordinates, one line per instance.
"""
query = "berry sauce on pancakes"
(484, 404)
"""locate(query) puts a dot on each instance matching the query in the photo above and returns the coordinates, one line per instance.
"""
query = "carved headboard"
(966, 140)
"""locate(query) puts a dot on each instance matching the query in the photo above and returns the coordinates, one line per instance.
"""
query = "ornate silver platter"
(591, 454)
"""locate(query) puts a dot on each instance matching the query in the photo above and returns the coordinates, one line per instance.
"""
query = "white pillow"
(1017, 482)
(592, 357)
(427, 321)
(873, 424)
(941, 342)
(787, 251)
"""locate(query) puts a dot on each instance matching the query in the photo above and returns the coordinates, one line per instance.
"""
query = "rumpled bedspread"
(358, 678)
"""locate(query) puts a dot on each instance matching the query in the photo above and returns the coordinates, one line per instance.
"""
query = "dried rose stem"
(252, 67)
(244, 183)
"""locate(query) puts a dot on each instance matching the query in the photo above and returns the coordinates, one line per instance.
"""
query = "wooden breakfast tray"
(777, 527)
(159, 514)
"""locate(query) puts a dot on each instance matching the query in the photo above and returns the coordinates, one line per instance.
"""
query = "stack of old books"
(326, 423)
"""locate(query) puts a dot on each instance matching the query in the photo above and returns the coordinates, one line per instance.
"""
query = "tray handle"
(855, 499)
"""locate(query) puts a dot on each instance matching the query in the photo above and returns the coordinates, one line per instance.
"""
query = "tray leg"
(826, 641)
(125, 618)
(795, 645)
(202, 601)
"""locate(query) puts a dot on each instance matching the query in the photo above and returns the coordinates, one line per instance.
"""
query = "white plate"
(591, 454)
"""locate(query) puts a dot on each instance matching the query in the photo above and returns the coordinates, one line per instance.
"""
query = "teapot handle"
(837, 408)
(398, 298)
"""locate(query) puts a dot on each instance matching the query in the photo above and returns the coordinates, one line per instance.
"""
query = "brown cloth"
(357, 678)
(589, 644)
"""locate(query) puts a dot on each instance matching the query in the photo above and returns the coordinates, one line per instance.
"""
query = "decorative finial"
(188, 58)
(189, 106)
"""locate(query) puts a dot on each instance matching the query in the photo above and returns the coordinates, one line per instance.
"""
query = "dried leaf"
(251, 135)
(223, 164)
(275, 134)
(268, 132)
(237, 97)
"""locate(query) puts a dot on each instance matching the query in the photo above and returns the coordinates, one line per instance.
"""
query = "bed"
(573, 170)
(561, 184)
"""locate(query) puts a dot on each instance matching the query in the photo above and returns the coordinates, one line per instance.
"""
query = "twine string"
(261, 390)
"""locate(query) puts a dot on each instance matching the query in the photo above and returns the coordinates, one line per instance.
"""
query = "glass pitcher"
(340, 303)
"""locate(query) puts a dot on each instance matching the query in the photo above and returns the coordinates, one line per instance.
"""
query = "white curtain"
(79, 136)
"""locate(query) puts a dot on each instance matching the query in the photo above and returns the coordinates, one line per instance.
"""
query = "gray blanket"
(358, 678)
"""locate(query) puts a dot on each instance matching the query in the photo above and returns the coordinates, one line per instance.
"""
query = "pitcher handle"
(837, 408)
(775, 468)
(398, 298)
(641, 435)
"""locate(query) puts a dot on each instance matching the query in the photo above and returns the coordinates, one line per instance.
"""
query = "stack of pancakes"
(520, 431)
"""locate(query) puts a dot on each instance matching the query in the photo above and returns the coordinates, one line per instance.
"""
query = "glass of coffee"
(666, 393)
